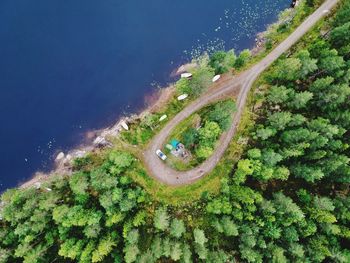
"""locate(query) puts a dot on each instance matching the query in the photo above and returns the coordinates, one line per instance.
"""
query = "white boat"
(162, 118)
(182, 97)
(216, 78)
(186, 75)
(124, 125)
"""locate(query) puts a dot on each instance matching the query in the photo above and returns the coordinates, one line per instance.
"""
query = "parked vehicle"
(161, 155)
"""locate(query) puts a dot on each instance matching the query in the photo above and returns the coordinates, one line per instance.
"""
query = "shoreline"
(98, 139)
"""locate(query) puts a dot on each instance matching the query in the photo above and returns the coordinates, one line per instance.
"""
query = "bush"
(222, 61)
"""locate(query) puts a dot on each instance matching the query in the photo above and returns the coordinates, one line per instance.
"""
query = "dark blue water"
(67, 67)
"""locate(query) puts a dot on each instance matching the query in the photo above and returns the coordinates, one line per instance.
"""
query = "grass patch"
(191, 121)
(144, 128)
(176, 196)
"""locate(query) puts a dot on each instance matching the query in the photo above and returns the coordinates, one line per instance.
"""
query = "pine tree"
(177, 228)
(161, 219)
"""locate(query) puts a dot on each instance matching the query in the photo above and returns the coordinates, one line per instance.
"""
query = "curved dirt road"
(242, 83)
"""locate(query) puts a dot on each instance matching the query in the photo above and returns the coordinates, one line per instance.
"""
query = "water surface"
(67, 67)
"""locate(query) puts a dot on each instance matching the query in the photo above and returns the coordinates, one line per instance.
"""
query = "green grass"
(180, 165)
(140, 134)
(182, 127)
(176, 196)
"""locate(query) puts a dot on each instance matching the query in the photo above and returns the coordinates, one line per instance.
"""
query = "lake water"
(67, 67)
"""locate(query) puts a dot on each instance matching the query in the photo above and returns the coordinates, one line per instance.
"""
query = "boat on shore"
(124, 125)
(182, 97)
(186, 75)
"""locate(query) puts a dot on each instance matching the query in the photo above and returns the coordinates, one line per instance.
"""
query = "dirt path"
(242, 84)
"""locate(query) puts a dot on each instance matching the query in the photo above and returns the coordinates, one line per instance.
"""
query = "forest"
(285, 200)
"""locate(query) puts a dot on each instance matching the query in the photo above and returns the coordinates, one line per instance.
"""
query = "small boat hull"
(182, 97)
(216, 78)
(186, 75)
(124, 125)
